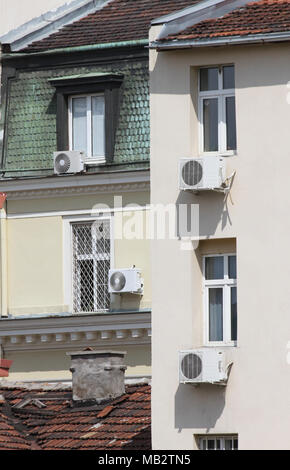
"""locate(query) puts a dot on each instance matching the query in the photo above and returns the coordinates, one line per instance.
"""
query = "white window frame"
(222, 438)
(226, 284)
(68, 252)
(221, 95)
(89, 158)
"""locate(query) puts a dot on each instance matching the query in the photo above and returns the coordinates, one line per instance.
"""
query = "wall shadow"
(213, 211)
(198, 406)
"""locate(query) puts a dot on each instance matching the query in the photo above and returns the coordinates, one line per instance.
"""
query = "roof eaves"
(50, 22)
(73, 49)
(205, 10)
(221, 41)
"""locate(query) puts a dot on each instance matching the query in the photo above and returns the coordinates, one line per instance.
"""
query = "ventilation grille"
(192, 173)
(117, 281)
(91, 264)
(62, 163)
(191, 366)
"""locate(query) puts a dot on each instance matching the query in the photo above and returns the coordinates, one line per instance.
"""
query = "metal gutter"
(225, 41)
(67, 50)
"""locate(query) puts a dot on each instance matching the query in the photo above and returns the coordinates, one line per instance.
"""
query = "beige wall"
(14, 13)
(255, 403)
(54, 365)
(36, 263)
(37, 268)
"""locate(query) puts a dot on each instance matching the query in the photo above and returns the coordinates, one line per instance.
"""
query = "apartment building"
(75, 170)
(220, 114)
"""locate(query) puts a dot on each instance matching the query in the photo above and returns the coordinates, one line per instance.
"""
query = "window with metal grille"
(91, 264)
(218, 443)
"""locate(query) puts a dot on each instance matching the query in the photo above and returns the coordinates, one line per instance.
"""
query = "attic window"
(87, 126)
(94, 125)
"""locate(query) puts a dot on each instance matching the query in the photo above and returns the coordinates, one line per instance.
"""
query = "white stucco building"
(220, 88)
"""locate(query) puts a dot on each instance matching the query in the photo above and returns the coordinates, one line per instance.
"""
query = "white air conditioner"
(68, 161)
(205, 365)
(125, 280)
(206, 173)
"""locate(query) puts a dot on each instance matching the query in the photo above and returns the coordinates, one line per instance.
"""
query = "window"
(91, 244)
(88, 107)
(87, 126)
(217, 113)
(218, 443)
(220, 290)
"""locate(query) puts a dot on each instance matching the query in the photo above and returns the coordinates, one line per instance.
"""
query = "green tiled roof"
(31, 117)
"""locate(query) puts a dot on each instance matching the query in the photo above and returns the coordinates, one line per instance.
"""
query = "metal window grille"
(91, 264)
(218, 443)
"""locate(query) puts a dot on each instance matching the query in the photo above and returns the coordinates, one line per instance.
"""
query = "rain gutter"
(224, 41)
(68, 50)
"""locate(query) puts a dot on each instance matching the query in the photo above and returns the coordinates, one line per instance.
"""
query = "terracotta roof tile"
(119, 20)
(123, 423)
(266, 16)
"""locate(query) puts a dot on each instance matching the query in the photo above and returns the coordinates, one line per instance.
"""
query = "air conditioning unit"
(125, 280)
(206, 173)
(68, 161)
(204, 365)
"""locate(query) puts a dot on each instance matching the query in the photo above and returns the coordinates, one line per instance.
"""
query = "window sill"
(232, 344)
(226, 153)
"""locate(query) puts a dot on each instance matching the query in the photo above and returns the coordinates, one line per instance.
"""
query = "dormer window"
(87, 126)
(87, 114)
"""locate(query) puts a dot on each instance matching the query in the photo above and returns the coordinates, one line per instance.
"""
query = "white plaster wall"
(255, 403)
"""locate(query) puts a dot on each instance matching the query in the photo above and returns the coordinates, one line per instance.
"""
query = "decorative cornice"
(99, 330)
(76, 185)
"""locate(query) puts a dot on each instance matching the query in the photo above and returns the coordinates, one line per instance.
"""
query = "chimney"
(97, 375)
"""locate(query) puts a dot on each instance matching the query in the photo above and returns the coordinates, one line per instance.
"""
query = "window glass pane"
(232, 267)
(79, 124)
(231, 123)
(214, 267)
(203, 444)
(218, 444)
(210, 124)
(228, 444)
(86, 285)
(209, 79)
(91, 264)
(83, 240)
(98, 126)
(216, 314)
(234, 321)
(102, 277)
(235, 444)
(228, 76)
(210, 444)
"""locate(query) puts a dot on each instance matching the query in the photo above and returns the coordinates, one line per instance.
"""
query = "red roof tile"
(119, 20)
(123, 423)
(266, 16)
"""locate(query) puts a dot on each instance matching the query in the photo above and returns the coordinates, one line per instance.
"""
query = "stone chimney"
(97, 375)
